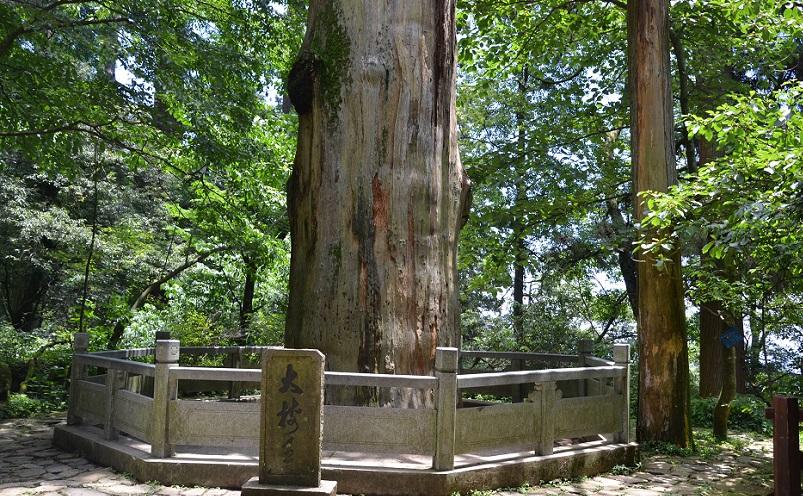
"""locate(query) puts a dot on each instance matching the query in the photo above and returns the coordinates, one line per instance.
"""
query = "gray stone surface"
(254, 488)
(290, 423)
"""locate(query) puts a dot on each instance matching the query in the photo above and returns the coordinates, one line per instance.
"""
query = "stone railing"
(143, 401)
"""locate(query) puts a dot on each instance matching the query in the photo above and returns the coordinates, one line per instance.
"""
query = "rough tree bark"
(728, 390)
(663, 352)
(378, 194)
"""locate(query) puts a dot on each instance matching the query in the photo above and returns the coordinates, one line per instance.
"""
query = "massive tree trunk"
(377, 195)
(663, 352)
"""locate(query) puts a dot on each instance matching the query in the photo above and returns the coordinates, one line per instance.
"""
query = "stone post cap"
(585, 346)
(167, 351)
(446, 359)
(80, 341)
(621, 353)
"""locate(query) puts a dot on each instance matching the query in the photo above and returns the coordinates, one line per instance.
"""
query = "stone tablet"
(292, 411)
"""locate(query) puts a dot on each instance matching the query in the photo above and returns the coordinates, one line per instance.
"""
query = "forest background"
(145, 148)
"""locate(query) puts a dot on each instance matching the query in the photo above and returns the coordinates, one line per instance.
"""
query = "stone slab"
(291, 416)
(253, 488)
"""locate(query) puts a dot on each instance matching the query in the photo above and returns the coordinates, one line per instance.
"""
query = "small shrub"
(664, 448)
(747, 413)
(22, 406)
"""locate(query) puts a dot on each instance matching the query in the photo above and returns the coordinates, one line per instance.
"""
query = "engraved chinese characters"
(292, 402)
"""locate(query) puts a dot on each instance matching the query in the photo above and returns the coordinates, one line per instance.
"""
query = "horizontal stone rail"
(538, 376)
(106, 362)
(515, 355)
(127, 353)
(215, 374)
(380, 380)
(222, 350)
(597, 403)
(599, 362)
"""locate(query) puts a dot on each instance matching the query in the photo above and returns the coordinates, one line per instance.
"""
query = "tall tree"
(663, 350)
(377, 194)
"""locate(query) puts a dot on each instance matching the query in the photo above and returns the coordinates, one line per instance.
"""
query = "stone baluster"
(543, 397)
(164, 390)
(80, 344)
(621, 356)
(446, 404)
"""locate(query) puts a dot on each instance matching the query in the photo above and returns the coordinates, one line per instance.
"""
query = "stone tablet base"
(126, 455)
(254, 488)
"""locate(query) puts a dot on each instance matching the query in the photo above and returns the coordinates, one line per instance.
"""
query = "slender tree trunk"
(378, 194)
(91, 252)
(247, 307)
(624, 253)
(519, 247)
(663, 352)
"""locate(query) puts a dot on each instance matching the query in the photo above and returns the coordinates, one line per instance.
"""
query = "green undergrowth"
(746, 414)
(20, 405)
(705, 446)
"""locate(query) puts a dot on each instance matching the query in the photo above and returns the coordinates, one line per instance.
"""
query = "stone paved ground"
(29, 465)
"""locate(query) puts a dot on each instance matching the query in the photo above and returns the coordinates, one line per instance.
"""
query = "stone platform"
(355, 473)
(29, 465)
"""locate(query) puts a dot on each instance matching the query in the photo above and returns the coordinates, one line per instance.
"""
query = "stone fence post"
(446, 405)
(543, 396)
(115, 380)
(621, 356)
(164, 390)
(80, 344)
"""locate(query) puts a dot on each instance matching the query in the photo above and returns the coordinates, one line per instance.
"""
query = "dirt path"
(30, 465)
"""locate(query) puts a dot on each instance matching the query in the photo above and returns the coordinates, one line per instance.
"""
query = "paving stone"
(195, 491)
(169, 491)
(48, 487)
(29, 473)
(93, 476)
(124, 489)
(14, 491)
(56, 467)
(81, 491)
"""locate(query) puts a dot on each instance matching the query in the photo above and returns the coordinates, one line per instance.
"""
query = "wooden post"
(544, 396)
(80, 344)
(584, 350)
(446, 403)
(786, 446)
(621, 356)
(164, 390)
(115, 379)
